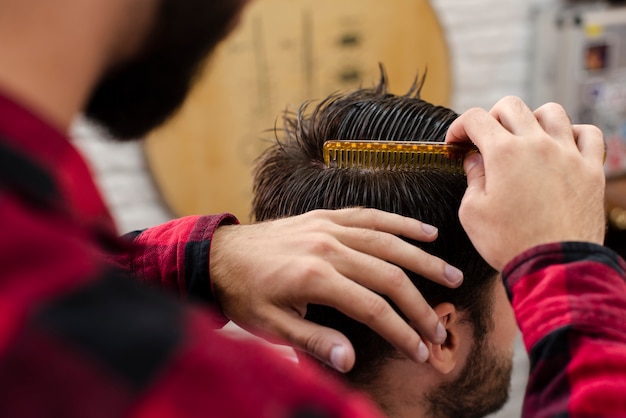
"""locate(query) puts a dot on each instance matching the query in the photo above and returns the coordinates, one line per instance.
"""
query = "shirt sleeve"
(111, 347)
(247, 380)
(570, 303)
(79, 339)
(175, 255)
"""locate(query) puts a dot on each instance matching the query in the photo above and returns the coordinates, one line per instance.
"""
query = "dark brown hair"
(291, 178)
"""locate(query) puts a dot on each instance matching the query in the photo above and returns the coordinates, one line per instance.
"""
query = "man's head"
(141, 92)
(469, 374)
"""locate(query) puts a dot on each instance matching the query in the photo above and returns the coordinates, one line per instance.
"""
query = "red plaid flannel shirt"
(79, 339)
(570, 304)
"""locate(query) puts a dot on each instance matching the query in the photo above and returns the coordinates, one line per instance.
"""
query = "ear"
(445, 357)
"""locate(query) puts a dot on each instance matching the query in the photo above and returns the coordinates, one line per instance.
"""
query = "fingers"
(515, 116)
(474, 167)
(371, 309)
(365, 258)
(366, 261)
(378, 220)
(373, 233)
(325, 344)
(376, 248)
(475, 125)
(522, 150)
(342, 259)
(361, 304)
(391, 281)
(507, 118)
(555, 121)
(590, 141)
(383, 244)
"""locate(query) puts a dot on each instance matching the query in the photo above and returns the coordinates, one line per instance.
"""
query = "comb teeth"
(396, 155)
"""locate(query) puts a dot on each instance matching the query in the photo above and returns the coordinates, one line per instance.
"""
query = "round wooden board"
(283, 53)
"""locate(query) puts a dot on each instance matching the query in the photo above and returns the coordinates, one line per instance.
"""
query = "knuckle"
(513, 103)
(554, 110)
(321, 245)
(513, 100)
(474, 111)
(318, 219)
(377, 307)
(395, 278)
(316, 213)
(466, 211)
(509, 101)
(473, 115)
(312, 343)
(371, 216)
(383, 239)
(595, 131)
(553, 107)
(310, 271)
(592, 131)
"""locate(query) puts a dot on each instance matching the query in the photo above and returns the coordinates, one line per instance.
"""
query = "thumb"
(474, 167)
(326, 344)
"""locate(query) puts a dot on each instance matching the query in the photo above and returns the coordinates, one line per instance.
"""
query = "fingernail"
(441, 333)
(429, 229)
(453, 275)
(422, 352)
(338, 358)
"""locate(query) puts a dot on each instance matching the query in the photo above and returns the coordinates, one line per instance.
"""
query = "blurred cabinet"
(579, 61)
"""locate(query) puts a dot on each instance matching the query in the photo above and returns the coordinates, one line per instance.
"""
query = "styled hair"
(290, 178)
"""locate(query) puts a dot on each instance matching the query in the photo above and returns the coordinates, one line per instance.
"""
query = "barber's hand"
(538, 179)
(265, 274)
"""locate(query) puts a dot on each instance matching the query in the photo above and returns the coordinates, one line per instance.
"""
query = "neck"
(402, 387)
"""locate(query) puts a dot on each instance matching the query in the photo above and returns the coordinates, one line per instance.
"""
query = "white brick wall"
(489, 42)
(490, 47)
(122, 175)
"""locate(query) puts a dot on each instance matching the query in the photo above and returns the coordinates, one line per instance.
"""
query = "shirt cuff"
(199, 285)
(563, 284)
